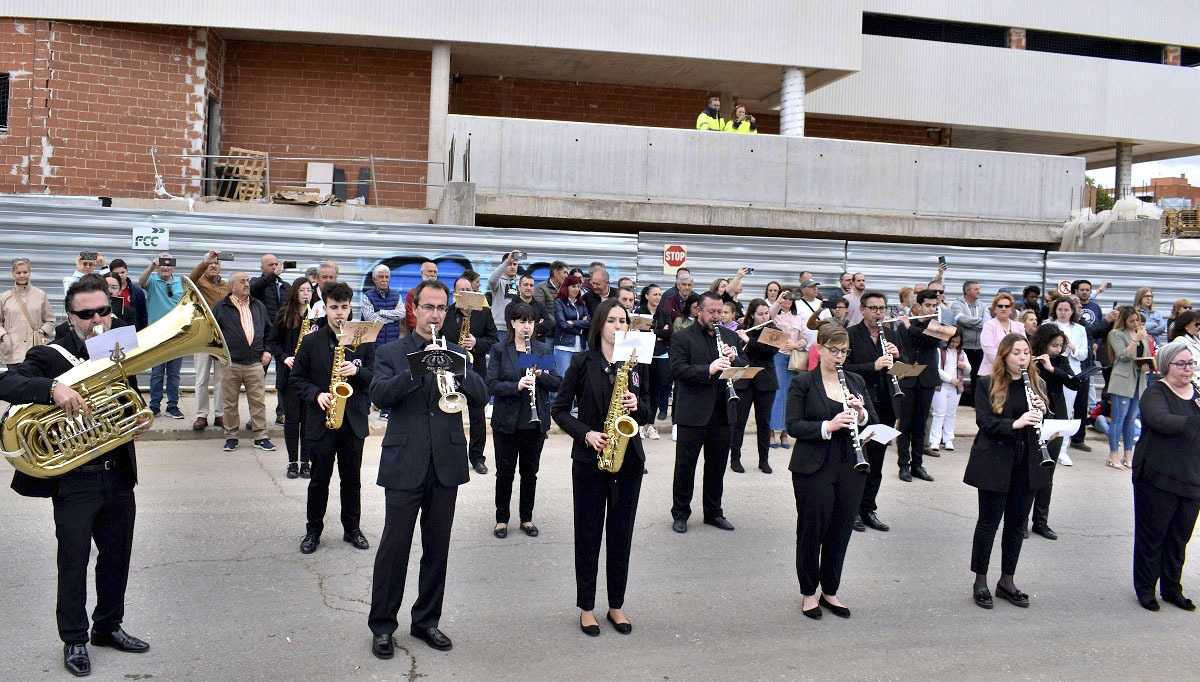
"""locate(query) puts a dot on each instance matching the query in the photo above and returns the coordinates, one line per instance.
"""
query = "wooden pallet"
(247, 170)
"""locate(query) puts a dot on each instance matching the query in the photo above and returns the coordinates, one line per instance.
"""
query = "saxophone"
(339, 387)
(464, 332)
(618, 425)
(305, 325)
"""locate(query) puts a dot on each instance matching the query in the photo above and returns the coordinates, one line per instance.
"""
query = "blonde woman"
(1000, 325)
(1156, 326)
(1127, 340)
(25, 317)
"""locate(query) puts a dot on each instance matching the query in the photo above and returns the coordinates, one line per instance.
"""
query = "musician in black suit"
(757, 393)
(423, 461)
(604, 501)
(917, 348)
(868, 360)
(483, 335)
(1005, 465)
(518, 432)
(827, 487)
(95, 501)
(311, 376)
(702, 411)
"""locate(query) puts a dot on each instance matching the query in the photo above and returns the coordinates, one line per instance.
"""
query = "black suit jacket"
(483, 328)
(808, 406)
(697, 391)
(312, 372)
(864, 351)
(916, 348)
(993, 454)
(760, 355)
(30, 382)
(586, 385)
(419, 435)
(502, 377)
(1061, 377)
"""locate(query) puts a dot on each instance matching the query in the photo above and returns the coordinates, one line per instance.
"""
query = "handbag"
(798, 361)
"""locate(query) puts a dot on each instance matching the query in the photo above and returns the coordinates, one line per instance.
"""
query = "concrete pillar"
(1124, 177)
(791, 102)
(727, 106)
(1172, 55)
(1016, 38)
(439, 109)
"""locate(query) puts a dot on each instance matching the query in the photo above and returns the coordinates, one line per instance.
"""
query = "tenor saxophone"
(340, 389)
(305, 325)
(618, 425)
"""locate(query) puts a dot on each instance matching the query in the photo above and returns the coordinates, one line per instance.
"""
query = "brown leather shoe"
(200, 424)
(219, 423)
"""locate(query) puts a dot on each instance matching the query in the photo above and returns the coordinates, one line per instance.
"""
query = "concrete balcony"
(531, 172)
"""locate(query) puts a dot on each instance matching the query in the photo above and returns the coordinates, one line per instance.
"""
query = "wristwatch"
(53, 385)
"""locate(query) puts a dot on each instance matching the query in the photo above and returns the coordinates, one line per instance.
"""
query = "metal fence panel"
(1171, 277)
(890, 266)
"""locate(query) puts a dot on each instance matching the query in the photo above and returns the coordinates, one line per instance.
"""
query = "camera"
(289, 265)
(224, 255)
(519, 255)
(89, 255)
(166, 262)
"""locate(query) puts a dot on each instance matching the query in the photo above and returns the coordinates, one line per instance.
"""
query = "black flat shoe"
(814, 612)
(737, 467)
(76, 660)
(309, 544)
(720, 522)
(679, 526)
(872, 521)
(1148, 603)
(589, 630)
(120, 640)
(500, 532)
(839, 611)
(623, 628)
(382, 646)
(765, 468)
(1014, 596)
(859, 525)
(356, 539)
(530, 530)
(1180, 601)
(983, 598)
(433, 637)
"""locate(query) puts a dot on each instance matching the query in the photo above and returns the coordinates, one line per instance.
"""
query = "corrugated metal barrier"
(889, 266)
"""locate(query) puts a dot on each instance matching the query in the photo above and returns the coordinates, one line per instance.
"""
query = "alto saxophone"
(340, 389)
(305, 325)
(618, 425)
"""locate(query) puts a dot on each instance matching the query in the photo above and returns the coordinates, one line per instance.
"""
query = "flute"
(912, 318)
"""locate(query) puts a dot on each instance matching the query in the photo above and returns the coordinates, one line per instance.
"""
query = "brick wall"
(89, 101)
(316, 100)
(866, 131)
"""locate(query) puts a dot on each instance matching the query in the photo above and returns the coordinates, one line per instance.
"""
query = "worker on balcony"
(710, 118)
(742, 122)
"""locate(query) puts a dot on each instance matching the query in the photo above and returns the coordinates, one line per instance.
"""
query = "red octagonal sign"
(674, 255)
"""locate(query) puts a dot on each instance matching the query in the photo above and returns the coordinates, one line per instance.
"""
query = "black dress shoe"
(1013, 596)
(839, 611)
(1045, 532)
(814, 612)
(1149, 603)
(919, 472)
(76, 660)
(309, 544)
(764, 467)
(1180, 601)
(623, 628)
(906, 474)
(480, 468)
(305, 470)
(872, 521)
(589, 630)
(382, 646)
(1024, 533)
(983, 598)
(293, 470)
(119, 640)
(859, 525)
(433, 637)
(720, 522)
(737, 467)
(680, 526)
(357, 539)
(1082, 446)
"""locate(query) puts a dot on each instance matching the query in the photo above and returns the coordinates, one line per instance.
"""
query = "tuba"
(618, 425)
(40, 441)
(451, 402)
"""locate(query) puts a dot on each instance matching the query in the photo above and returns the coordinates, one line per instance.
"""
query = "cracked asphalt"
(221, 592)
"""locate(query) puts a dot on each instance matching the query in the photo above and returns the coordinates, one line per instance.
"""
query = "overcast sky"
(1143, 172)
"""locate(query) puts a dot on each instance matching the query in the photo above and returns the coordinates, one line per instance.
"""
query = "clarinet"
(860, 460)
(730, 392)
(1047, 460)
(530, 372)
(896, 391)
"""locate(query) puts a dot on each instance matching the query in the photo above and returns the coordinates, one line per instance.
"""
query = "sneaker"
(674, 432)
(305, 470)
(264, 444)
(230, 445)
(154, 411)
(653, 431)
(293, 470)
(642, 433)
(1065, 459)
(948, 445)
(174, 413)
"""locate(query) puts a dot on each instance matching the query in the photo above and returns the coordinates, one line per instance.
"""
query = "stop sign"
(674, 257)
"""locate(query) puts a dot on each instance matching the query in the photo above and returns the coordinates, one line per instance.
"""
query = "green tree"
(1104, 200)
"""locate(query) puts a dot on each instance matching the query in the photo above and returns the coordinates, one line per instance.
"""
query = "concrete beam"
(373, 214)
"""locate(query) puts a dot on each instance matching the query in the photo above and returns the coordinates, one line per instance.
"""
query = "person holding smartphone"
(502, 285)
(88, 263)
(163, 292)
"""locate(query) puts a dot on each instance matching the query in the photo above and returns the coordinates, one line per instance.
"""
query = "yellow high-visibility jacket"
(710, 119)
(744, 126)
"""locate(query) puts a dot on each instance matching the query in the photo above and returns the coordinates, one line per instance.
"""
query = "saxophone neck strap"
(75, 362)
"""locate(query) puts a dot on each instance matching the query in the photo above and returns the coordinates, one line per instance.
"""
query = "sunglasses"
(89, 313)
(1002, 306)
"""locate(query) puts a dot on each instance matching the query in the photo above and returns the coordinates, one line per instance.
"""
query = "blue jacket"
(572, 320)
(390, 330)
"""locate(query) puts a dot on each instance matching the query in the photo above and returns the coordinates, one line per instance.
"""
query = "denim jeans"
(1124, 422)
(170, 372)
(562, 360)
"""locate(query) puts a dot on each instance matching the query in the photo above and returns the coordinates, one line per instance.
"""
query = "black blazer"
(697, 391)
(30, 382)
(918, 349)
(483, 328)
(1166, 455)
(545, 322)
(760, 355)
(587, 386)
(864, 351)
(502, 377)
(312, 372)
(808, 406)
(993, 454)
(1061, 377)
(281, 344)
(419, 434)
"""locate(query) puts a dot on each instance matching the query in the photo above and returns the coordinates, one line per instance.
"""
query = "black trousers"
(1080, 407)
(826, 504)
(478, 433)
(347, 449)
(975, 359)
(875, 453)
(660, 384)
(714, 439)
(1013, 508)
(913, 412)
(523, 447)
(92, 504)
(1162, 525)
(435, 503)
(603, 502)
(761, 401)
(293, 425)
(1041, 499)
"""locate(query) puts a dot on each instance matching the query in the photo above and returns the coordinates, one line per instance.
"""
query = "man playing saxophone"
(95, 500)
(313, 378)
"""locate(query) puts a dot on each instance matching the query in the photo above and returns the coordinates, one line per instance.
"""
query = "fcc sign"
(151, 238)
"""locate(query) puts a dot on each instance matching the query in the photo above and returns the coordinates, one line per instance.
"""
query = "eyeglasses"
(89, 313)
(1002, 306)
(838, 352)
(876, 308)
(429, 308)
(1181, 365)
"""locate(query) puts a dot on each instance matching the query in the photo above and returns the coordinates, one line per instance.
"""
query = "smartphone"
(941, 260)
(289, 265)
(169, 262)
(224, 255)
(787, 296)
(1115, 305)
(749, 271)
(89, 255)
(519, 255)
